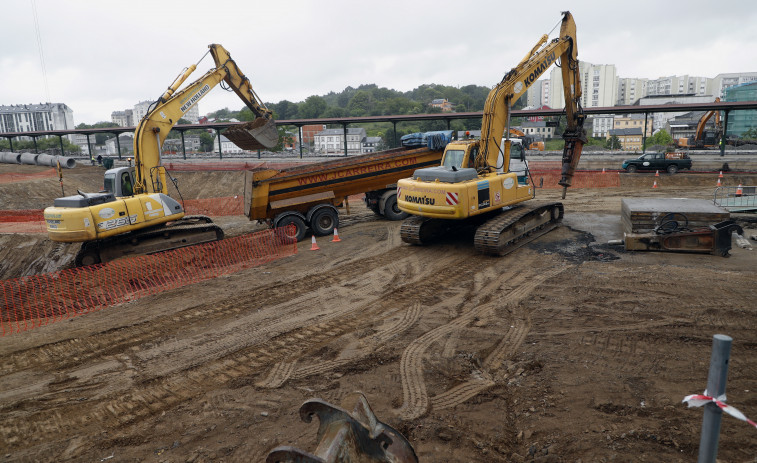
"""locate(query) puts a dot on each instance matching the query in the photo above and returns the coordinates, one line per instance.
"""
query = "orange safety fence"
(38, 300)
(14, 177)
(548, 179)
(22, 215)
(215, 207)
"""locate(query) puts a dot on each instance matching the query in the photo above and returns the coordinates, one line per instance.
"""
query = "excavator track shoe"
(516, 227)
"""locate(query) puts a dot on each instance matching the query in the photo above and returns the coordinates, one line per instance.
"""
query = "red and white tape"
(700, 400)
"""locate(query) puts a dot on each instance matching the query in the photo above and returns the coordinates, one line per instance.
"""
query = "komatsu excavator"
(134, 214)
(473, 186)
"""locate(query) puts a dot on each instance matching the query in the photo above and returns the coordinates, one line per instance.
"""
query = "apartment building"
(599, 85)
(630, 139)
(331, 141)
(721, 82)
(123, 118)
(630, 90)
(36, 117)
(633, 121)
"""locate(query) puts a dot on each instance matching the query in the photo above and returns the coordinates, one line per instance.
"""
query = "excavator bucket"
(254, 135)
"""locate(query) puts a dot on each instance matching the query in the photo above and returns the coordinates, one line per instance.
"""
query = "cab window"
(109, 184)
(454, 158)
(126, 188)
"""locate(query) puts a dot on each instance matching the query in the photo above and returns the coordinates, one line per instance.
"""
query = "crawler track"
(514, 228)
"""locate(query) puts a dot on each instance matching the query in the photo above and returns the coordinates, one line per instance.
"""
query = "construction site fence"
(38, 300)
(548, 179)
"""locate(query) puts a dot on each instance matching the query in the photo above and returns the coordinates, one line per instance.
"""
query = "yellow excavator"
(134, 214)
(702, 138)
(473, 186)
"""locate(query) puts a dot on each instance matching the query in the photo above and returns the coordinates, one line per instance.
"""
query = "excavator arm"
(497, 109)
(173, 104)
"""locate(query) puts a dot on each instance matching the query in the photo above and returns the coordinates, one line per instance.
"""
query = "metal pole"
(10, 141)
(60, 139)
(344, 127)
(35, 144)
(394, 124)
(218, 137)
(183, 145)
(708, 444)
(724, 136)
(89, 148)
(299, 130)
(118, 146)
(644, 141)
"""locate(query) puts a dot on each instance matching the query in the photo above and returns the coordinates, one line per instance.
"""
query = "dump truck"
(307, 197)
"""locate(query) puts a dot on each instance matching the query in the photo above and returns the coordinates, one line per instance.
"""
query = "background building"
(35, 117)
(630, 139)
(123, 118)
(331, 141)
(599, 85)
(721, 82)
(741, 121)
(630, 90)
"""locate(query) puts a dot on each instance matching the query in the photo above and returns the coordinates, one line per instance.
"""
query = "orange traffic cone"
(314, 247)
(721, 174)
(603, 170)
(655, 184)
(657, 173)
(336, 237)
(738, 190)
(718, 182)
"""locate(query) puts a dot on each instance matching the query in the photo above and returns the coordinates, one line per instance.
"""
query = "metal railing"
(736, 198)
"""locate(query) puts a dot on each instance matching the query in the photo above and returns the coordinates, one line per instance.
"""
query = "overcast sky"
(103, 56)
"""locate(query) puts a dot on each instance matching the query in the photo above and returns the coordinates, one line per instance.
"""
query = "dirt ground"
(568, 350)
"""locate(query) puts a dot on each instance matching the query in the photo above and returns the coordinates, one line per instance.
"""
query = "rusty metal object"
(715, 239)
(258, 134)
(357, 437)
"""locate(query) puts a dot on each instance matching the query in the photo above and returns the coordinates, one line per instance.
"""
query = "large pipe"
(29, 158)
(49, 160)
(10, 158)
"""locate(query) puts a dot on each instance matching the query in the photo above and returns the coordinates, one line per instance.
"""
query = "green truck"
(669, 162)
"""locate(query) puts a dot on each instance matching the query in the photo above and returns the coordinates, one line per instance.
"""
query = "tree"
(360, 104)
(613, 143)
(313, 107)
(661, 137)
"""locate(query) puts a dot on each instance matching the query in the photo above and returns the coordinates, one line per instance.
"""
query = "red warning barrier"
(22, 215)
(581, 179)
(32, 301)
(13, 178)
(215, 207)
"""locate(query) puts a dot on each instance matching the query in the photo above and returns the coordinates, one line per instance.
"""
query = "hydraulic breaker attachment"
(258, 134)
(574, 143)
(347, 437)
(715, 239)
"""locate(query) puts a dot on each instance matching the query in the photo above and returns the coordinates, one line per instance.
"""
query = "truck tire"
(324, 221)
(392, 210)
(672, 169)
(631, 169)
(300, 229)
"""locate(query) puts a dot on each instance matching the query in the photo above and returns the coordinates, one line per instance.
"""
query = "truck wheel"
(324, 221)
(296, 232)
(392, 211)
(631, 169)
(672, 169)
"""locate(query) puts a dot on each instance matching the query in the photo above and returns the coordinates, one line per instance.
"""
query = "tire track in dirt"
(366, 348)
(415, 396)
(152, 394)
